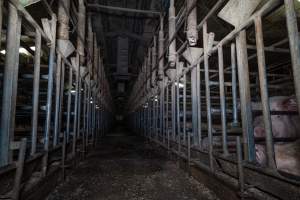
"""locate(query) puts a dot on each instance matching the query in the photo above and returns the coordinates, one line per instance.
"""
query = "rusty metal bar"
(173, 110)
(1, 19)
(10, 83)
(36, 89)
(49, 94)
(57, 99)
(76, 105)
(80, 61)
(62, 34)
(178, 112)
(85, 120)
(245, 98)
(240, 164)
(222, 101)
(234, 86)
(262, 72)
(199, 116)
(61, 100)
(207, 92)
(167, 118)
(69, 104)
(20, 169)
(194, 105)
(162, 110)
(184, 109)
(293, 34)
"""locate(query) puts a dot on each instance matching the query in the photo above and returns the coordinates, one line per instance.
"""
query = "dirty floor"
(124, 167)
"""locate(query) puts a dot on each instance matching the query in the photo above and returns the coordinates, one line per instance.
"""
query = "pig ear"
(290, 103)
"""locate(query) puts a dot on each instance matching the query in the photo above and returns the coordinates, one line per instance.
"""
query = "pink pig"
(283, 126)
(287, 156)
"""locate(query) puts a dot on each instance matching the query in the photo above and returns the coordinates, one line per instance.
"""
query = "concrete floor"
(124, 167)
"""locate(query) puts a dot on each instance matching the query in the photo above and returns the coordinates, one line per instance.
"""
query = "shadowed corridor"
(125, 166)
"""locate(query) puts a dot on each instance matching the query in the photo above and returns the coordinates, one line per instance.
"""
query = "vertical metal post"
(156, 117)
(49, 93)
(167, 117)
(81, 52)
(194, 105)
(1, 18)
(69, 104)
(189, 147)
(149, 119)
(245, 98)
(85, 102)
(222, 101)
(162, 112)
(293, 34)
(161, 77)
(173, 111)
(62, 34)
(81, 28)
(178, 114)
(264, 92)
(10, 83)
(207, 92)
(240, 163)
(199, 115)
(184, 108)
(88, 118)
(76, 105)
(80, 115)
(57, 99)
(63, 155)
(19, 170)
(61, 100)
(234, 86)
(36, 89)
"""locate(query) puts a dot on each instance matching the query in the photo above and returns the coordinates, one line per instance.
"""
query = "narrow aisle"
(125, 167)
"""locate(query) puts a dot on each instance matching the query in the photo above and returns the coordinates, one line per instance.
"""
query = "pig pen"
(231, 104)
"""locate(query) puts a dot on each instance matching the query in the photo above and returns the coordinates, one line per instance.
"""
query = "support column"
(36, 89)
(10, 83)
(293, 33)
(62, 34)
(245, 98)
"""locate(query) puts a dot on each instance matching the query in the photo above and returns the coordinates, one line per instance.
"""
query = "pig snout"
(260, 152)
(259, 132)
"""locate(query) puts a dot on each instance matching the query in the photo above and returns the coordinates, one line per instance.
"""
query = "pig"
(287, 156)
(283, 126)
